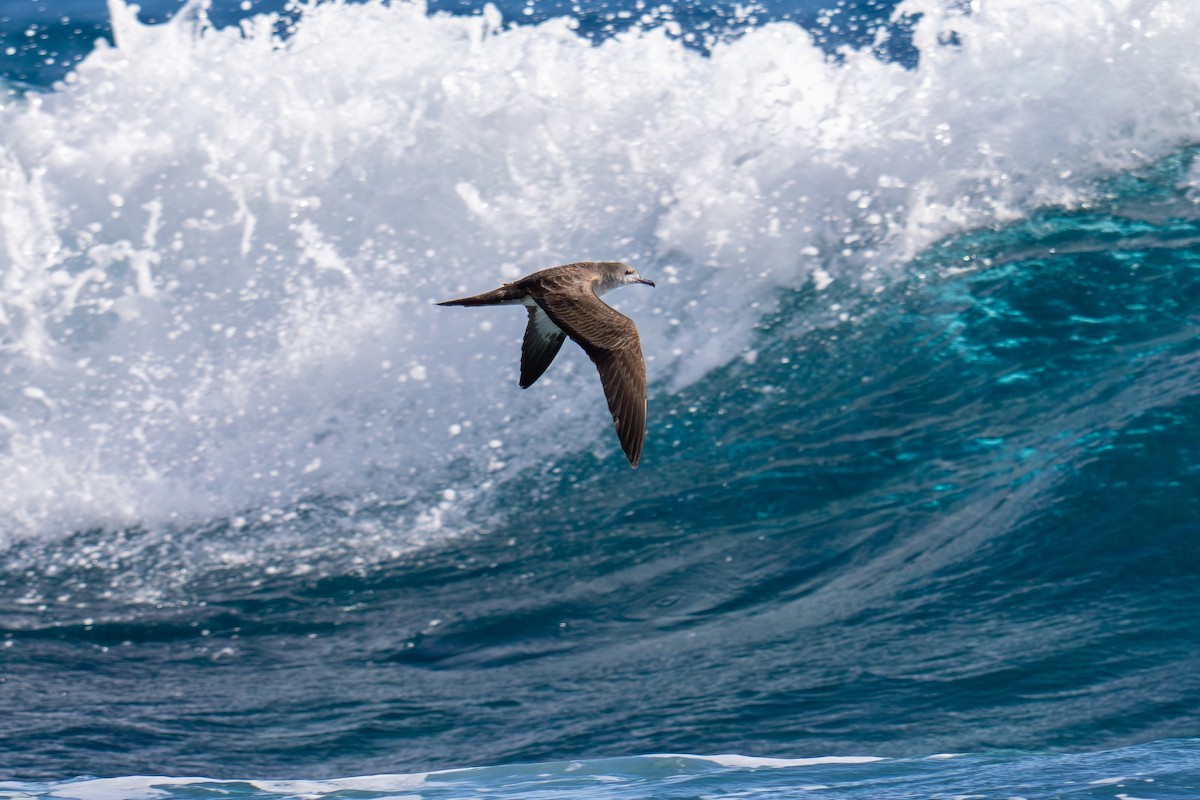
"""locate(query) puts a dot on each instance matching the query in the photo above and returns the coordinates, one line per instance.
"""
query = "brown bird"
(565, 301)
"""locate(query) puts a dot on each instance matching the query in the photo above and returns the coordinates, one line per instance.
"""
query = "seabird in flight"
(565, 301)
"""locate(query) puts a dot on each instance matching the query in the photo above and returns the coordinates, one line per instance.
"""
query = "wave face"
(923, 466)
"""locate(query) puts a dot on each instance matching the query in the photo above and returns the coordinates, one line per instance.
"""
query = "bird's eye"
(628, 272)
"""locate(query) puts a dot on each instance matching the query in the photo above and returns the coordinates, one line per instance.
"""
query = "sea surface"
(919, 510)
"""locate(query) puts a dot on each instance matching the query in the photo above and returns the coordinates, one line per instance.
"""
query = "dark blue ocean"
(919, 510)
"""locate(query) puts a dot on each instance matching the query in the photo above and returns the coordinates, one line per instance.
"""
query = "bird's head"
(618, 274)
(631, 276)
(612, 275)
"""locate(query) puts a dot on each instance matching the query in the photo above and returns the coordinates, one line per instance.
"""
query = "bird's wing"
(623, 375)
(542, 340)
(611, 340)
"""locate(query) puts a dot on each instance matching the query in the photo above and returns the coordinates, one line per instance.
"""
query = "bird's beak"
(643, 280)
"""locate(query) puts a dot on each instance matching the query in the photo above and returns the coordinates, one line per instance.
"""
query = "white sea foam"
(219, 249)
(757, 762)
(148, 787)
(127, 788)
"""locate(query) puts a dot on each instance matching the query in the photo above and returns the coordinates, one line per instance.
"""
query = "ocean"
(918, 510)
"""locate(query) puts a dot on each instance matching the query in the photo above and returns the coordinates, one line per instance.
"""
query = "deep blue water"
(922, 472)
(49, 37)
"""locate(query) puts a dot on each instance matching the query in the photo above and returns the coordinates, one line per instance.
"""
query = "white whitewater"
(219, 249)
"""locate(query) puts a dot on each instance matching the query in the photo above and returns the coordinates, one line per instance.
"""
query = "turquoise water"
(1165, 769)
(917, 509)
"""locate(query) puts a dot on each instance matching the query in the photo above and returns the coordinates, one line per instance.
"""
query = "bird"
(565, 301)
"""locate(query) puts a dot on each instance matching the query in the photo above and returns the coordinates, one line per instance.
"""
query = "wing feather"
(611, 340)
(541, 344)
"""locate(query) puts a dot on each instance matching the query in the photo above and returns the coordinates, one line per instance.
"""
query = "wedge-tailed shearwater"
(565, 301)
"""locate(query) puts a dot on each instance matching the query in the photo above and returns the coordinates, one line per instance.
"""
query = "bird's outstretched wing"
(541, 344)
(611, 340)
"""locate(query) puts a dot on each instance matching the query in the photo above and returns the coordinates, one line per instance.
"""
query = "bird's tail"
(505, 295)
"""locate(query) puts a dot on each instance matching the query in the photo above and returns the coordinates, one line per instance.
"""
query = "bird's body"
(565, 301)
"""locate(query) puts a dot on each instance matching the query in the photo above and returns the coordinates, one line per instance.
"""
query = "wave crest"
(221, 245)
